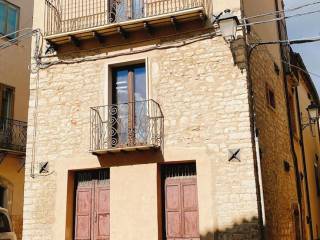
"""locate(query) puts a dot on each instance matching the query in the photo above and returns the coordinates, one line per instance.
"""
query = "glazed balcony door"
(124, 10)
(130, 113)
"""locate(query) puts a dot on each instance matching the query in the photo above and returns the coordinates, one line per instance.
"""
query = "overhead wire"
(283, 11)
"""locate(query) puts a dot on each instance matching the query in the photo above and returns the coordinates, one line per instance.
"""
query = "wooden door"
(92, 213)
(181, 208)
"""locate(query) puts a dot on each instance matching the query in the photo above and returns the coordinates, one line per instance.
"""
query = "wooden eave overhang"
(128, 26)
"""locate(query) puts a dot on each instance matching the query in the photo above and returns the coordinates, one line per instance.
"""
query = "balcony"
(66, 19)
(13, 136)
(126, 127)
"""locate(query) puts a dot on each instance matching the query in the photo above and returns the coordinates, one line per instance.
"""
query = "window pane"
(2, 17)
(12, 24)
(7, 103)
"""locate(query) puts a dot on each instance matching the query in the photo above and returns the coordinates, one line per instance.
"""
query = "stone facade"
(204, 99)
(208, 112)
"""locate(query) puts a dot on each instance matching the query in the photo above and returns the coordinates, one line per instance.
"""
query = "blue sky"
(302, 27)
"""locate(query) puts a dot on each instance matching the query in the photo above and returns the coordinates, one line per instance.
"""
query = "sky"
(304, 27)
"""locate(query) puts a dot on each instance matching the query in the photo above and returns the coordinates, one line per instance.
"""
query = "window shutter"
(2, 17)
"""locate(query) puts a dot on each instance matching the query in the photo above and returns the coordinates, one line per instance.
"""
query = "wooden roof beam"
(122, 32)
(148, 28)
(74, 41)
(101, 39)
(174, 23)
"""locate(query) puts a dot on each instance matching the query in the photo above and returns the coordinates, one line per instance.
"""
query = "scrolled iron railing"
(62, 16)
(136, 124)
(13, 135)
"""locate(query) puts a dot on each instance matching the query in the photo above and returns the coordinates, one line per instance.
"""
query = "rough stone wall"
(204, 98)
(279, 186)
(205, 102)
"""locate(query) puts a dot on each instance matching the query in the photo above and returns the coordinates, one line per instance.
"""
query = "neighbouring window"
(7, 101)
(316, 174)
(293, 114)
(9, 18)
(270, 97)
(296, 221)
(4, 223)
(2, 196)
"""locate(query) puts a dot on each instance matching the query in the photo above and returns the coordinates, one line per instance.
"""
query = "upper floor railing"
(13, 135)
(128, 125)
(63, 16)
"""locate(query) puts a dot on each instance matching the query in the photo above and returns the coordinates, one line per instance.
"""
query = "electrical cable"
(279, 18)
(20, 30)
(283, 11)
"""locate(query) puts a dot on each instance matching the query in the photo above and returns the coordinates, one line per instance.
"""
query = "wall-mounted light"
(228, 24)
(313, 114)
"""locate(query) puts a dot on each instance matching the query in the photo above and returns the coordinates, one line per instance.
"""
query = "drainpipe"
(255, 135)
(304, 162)
(295, 160)
(262, 214)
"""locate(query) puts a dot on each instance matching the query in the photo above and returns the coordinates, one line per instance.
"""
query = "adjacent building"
(14, 97)
(302, 95)
(146, 123)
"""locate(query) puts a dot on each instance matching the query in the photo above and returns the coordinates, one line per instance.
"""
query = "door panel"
(83, 213)
(102, 212)
(181, 208)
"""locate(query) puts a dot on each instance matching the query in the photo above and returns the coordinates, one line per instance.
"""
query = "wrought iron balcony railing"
(136, 125)
(63, 16)
(13, 135)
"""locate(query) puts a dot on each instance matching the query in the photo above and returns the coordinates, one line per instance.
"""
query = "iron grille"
(62, 16)
(13, 135)
(87, 177)
(178, 170)
(134, 124)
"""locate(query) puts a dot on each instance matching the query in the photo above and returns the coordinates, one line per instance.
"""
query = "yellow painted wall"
(9, 173)
(312, 147)
(14, 71)
(15, 61)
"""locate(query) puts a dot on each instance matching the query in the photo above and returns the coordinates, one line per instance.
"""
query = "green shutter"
(12, 21)
(2, 17)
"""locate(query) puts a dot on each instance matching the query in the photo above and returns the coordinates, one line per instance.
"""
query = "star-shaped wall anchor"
(234, 154)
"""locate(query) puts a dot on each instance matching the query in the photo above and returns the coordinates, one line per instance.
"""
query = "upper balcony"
(13, 136)
(126, 127)
(84, 19)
